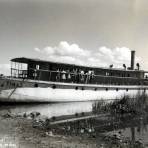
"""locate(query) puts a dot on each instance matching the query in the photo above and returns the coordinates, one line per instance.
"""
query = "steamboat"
(35, 80)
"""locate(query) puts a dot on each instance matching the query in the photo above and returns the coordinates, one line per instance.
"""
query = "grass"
(137, 105)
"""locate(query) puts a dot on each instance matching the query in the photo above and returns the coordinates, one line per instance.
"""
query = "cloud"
(73, 54)
(5, 69)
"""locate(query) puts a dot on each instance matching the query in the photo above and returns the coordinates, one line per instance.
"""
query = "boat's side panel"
(61, 95)
(33, 91)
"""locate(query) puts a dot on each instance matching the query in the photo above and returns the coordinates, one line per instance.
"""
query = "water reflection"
(135, 130)
(137, 133)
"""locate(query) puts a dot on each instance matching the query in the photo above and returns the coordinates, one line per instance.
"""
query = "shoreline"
(19, 132)
(31, 130)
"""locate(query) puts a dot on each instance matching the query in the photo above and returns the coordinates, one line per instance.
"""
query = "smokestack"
(132, 59)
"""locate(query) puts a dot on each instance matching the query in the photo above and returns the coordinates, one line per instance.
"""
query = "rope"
(14, 89)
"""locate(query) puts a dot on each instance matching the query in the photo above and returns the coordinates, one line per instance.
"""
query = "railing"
(19, 73)
(70, 77)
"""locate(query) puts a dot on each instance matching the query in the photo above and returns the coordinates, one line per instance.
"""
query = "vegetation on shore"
(137, 105)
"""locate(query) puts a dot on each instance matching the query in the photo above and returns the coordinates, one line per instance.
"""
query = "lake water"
(135, 132)
(50, 110)
(12, 139)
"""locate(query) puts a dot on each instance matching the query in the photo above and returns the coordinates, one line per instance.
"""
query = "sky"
(85, 32)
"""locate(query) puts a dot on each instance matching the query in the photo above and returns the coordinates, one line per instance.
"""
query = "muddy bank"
(20, 132)
(29, 130)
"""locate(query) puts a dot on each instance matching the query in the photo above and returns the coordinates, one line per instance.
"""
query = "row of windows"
(119, 74)
(10, 84)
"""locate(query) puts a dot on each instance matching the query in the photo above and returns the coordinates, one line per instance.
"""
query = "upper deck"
(37, 69)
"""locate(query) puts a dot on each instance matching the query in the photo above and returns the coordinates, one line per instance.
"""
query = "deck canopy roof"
(28, 60)
(38, 61)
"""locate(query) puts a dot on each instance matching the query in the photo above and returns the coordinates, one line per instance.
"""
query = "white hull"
(63, 95)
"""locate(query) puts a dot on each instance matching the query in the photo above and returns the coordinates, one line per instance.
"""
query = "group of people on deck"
(74, 76)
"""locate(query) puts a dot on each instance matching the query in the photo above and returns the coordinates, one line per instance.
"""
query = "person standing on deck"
(63, 76)
(75, 75)
(58, 75)
(82, 76)
(78, 76)
(91, 76)
(68, 76)
(88, 74)
(86, 77)
(35, 74)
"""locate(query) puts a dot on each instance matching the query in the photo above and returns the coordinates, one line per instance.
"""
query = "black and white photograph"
(73, 73)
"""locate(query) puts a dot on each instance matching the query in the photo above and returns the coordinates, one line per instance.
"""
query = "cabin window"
(128, 75)
(18, 69)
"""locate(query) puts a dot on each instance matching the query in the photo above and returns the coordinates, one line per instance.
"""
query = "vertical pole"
(21, 71)
(15, 69)
(18, 69)
(11, 68)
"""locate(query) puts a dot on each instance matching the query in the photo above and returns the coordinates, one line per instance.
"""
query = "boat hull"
(29, 91)
(63, 95)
